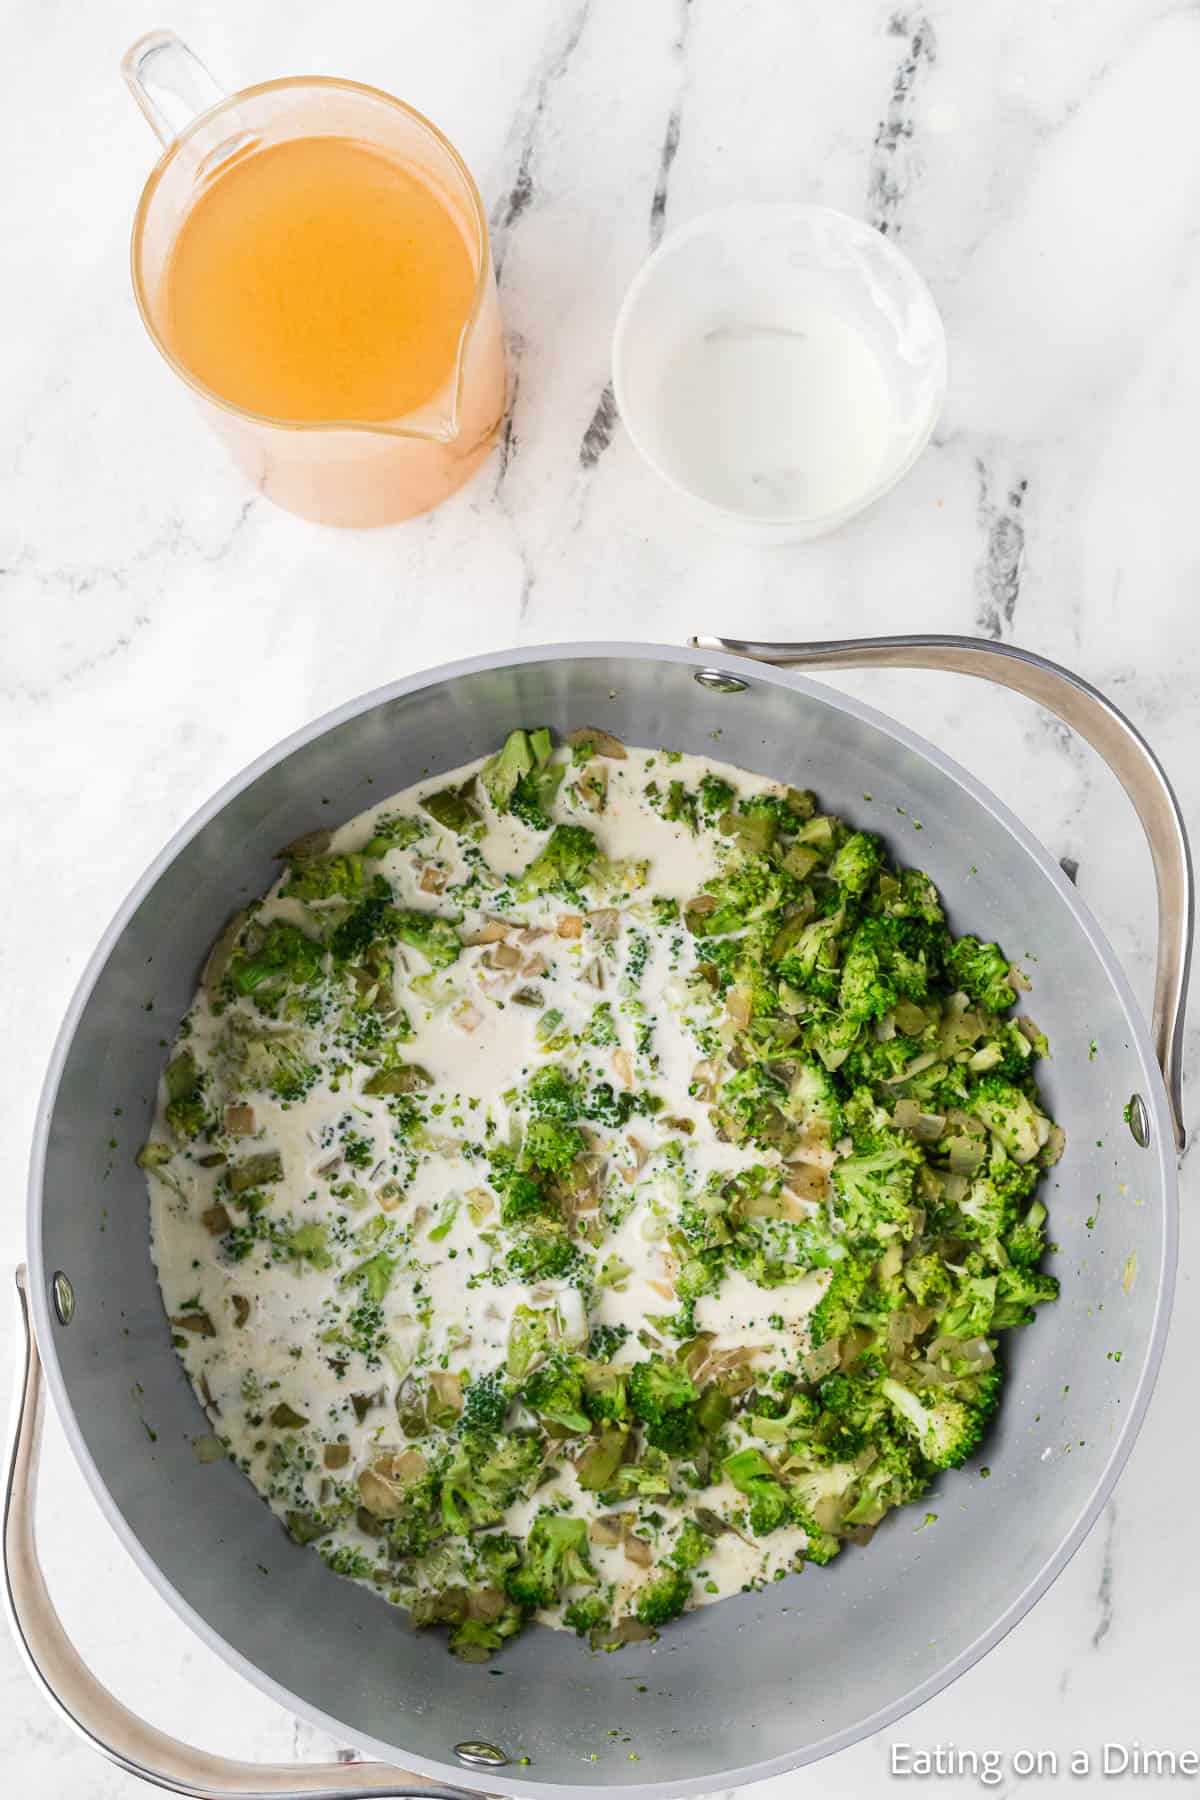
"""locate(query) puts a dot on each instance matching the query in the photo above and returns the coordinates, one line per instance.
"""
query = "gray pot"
(763, 1682)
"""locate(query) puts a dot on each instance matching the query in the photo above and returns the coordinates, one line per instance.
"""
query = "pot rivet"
(718, 682)
(1138, 1120)
(63, 1295)
(478, 1755)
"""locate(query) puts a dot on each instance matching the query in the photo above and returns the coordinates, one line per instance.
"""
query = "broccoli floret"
(485, 1405)
(875, 1185)
(522, 1194)
(895, 1477)
(325, 878)
(663, 1597)
(1026, 1241)
(810, 964)
(528, 1338)
(947, 1430)
(812, 1100)
(605, 1341)
(691, 1546)
(714, 795)
(552, 1147)
(562, 865)
(477, 1489)
(746, 895)
(927, 1279)
(498, 1553)
(419, 1524)
(551, 1094)
(185, 1112)
(396, 833)
(881, 966)
(857, 862)
(1018, 1293)
(822, 1546)
(866, 990)
(360, 929)
(534, 794)
(852, 1410)
(750, 1104)
(833, 1314)
(556, 1557)
(770, 1502)
(544, 1252)
(501, 775)
(277, 1064)
(972, 1302)
(284, 958)
(555, 1393)
(435, 937)
(664, 1399)
(591, 1613)
(474, 1640)
(985, 1212)
(605, 1395)
(187, 1117)
(1011, 1116)
(678, 804)
(981, 971)
(521, 780)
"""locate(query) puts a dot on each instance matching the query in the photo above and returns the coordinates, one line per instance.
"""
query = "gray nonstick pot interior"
(760, 1682)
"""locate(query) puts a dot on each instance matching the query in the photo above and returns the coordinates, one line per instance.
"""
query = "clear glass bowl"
(781, 366)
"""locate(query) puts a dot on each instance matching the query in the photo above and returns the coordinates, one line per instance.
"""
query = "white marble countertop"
(161, 626)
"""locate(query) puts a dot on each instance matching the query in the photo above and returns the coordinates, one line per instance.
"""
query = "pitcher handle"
(1086, 710)
(169, 83)
(98, 1716)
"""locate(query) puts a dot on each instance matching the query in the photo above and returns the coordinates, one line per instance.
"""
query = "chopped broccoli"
(663, 1597)
(325, 878)
(556, 1557)
(601, 1028)
(186, 1112)
(857, 863)
(588, 1614)
(1011, 1115)
(477, 1489)
(562, 865)
(555, 1393)
(283, 958)
(435, 937)
(276, 1064)
(981, 971)
(833, 1313)
(664, 1399)
(528, 1339)
(875, 1186)
(770, 1502)
(1026, 1241)
(501, 775)
(691, 1546)
(395, 833)
(485, 1405)
(946, 1429)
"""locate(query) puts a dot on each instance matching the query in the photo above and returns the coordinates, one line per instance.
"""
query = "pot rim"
(1154, 1091)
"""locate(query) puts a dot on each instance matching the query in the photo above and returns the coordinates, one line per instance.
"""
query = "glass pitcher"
(341, 471)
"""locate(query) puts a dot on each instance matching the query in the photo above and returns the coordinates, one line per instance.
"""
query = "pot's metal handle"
(1106, 729)
(97, 1715)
